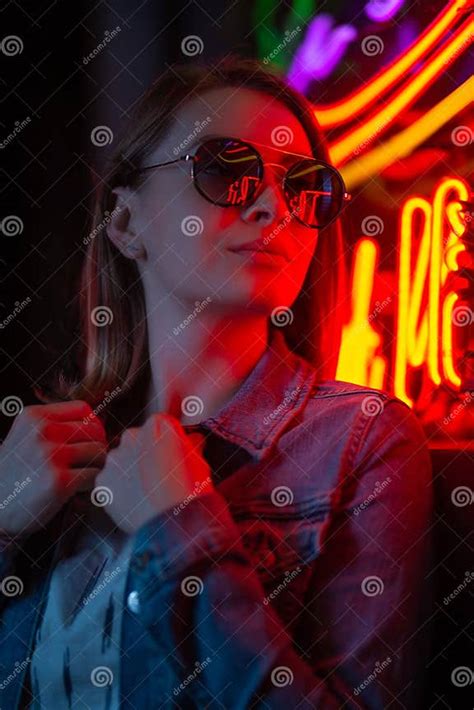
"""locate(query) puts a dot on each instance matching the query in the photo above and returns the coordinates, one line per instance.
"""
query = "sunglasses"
(229, 173)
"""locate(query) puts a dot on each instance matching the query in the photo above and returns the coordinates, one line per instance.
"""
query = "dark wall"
(53, 96)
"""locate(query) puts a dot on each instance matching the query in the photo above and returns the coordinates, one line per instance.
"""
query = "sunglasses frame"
(345, 196)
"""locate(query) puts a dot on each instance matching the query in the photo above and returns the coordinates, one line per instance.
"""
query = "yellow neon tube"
(360, 170)
(383, 118)
(349, 107)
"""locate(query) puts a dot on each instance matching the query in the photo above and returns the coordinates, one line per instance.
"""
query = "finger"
(132, 431)
(88, 454)
(64, 411)
(161, 422)
(154, 423)
(130, 436)
(72, 432)
(155, 430)
(79, 455)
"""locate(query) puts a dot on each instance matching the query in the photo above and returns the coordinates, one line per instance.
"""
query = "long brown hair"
(112, 362)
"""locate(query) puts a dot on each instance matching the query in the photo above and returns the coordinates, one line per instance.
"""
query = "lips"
(259, 245)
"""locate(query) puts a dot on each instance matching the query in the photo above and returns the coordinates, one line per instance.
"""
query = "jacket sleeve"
(362, 626)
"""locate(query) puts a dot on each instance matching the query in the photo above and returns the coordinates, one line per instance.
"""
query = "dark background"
(48, 173)
(49, 170)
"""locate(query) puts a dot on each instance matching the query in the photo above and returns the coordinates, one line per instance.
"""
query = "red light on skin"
(260, 256)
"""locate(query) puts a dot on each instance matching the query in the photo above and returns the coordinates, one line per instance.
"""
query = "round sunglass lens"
(227, 172)
(314, 192)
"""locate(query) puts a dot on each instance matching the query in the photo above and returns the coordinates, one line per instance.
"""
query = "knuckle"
(130, 434)
(33, 411)
(88, 411)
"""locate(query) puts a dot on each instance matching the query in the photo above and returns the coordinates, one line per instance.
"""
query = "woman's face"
(194, 264)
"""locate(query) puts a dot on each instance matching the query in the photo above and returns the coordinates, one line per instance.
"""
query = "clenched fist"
(60, 448)
(154, 467)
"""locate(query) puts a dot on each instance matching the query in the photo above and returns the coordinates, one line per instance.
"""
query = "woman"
(214, 520)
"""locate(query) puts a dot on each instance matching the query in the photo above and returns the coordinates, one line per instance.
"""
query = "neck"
(206, 359)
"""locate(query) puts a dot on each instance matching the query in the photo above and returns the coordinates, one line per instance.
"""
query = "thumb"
(129, 437)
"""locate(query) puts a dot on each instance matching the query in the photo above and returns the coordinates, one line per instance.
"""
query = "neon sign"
(428, 245)
(424, 330)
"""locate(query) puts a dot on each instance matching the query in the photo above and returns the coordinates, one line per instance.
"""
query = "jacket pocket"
(277, 535)
(281, 543)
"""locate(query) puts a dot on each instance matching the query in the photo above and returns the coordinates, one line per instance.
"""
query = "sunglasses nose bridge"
(276, 165)
(273, 180)
(277, 180)
(269, 198)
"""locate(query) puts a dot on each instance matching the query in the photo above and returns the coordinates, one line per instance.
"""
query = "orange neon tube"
(350, 106)
(360, 170)
(382, 119)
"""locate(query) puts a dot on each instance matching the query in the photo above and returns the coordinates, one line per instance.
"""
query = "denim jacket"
(298, 578)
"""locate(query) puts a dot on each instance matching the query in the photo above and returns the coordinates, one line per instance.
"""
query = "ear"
(119, 229)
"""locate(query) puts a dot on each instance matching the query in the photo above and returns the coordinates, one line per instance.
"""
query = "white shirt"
(76, 655)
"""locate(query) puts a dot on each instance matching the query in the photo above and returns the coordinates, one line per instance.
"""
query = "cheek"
(304, 242)
(175, 217)
(186, 239)
(306, 246)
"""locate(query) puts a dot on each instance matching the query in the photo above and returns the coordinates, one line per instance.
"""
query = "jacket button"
(133, 602)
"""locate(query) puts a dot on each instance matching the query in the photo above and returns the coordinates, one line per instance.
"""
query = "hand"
(50, 452)
(152, 469)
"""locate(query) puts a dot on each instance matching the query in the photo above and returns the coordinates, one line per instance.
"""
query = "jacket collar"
(272, 394)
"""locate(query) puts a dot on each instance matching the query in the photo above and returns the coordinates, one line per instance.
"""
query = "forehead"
(242, 113)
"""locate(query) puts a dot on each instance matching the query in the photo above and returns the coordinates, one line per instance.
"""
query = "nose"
(269, 204)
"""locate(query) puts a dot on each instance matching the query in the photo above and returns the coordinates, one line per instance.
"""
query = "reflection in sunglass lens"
(227, 172)
(314, 192)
